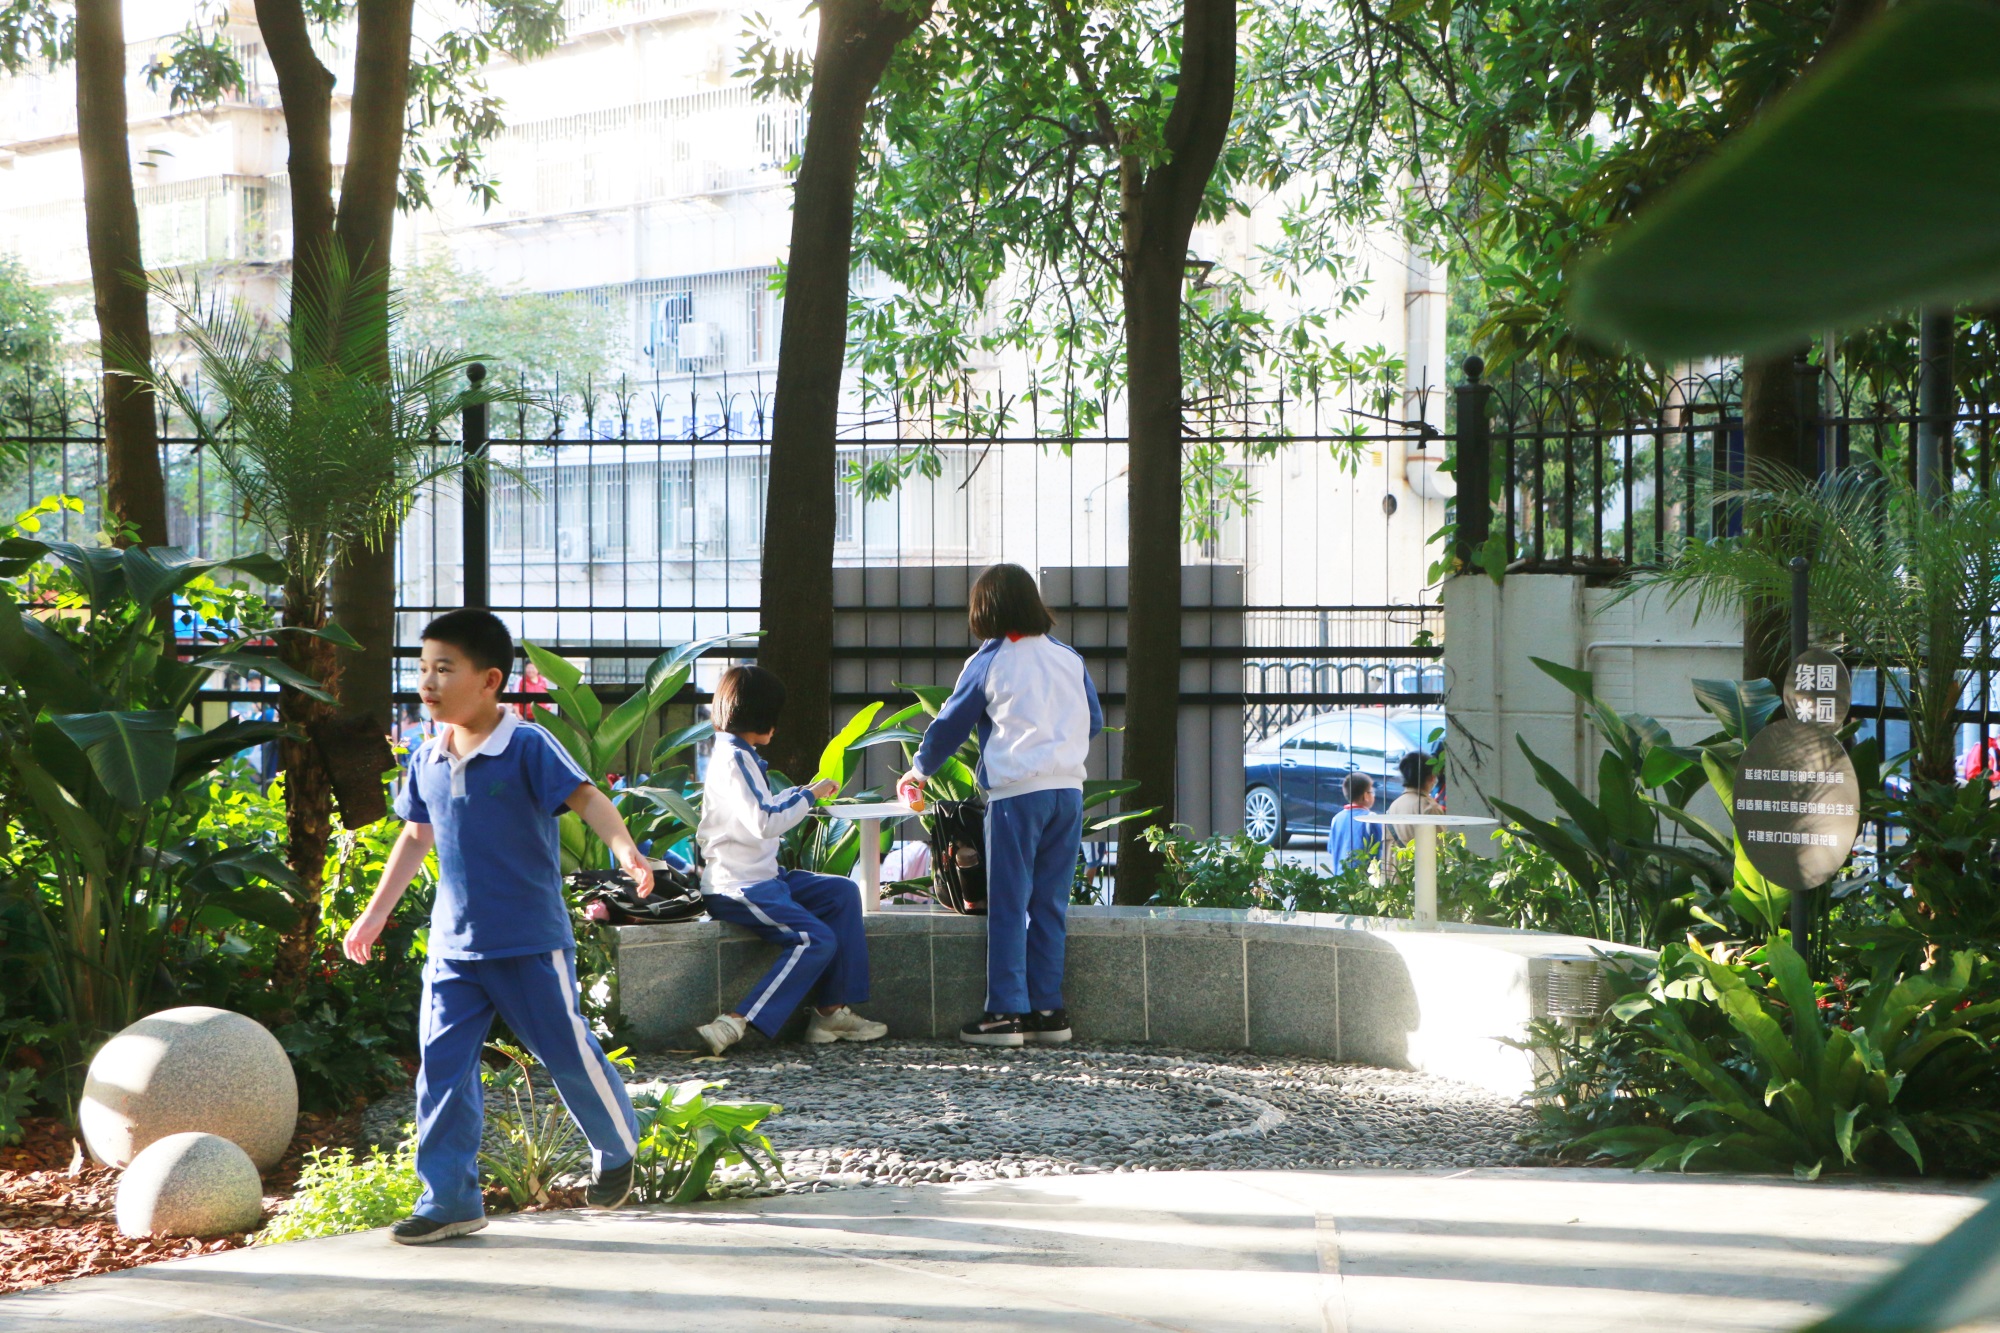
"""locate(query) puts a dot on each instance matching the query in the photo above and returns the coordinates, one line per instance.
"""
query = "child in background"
(817, 918)
(1032, 702)
(1349, 838)
(486, 792)
(1419, 772)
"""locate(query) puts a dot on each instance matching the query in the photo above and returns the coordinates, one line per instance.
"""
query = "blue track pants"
(1032, 843)
(817, 921)
(537, 994)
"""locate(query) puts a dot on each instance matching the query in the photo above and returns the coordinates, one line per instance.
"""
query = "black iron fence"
(619, 523)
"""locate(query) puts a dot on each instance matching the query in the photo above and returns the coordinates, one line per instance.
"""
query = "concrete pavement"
(1219, 1252)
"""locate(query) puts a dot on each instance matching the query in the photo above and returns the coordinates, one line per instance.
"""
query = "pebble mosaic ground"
(919, 1112)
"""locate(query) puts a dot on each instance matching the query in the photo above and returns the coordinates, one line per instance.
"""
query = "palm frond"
(1909, 586)
(328, 436)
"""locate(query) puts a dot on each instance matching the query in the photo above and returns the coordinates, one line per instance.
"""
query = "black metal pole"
(1801, 568)
(1472, 466)
(474, 497)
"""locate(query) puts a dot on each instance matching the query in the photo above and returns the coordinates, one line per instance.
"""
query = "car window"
(1372, 741)
(1414, 733)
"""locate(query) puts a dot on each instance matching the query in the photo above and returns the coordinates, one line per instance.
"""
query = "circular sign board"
(1818, 689)
(1798, 804)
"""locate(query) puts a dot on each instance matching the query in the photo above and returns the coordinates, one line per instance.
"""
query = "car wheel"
(1263, 817)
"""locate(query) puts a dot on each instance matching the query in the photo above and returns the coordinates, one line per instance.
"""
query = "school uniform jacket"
(1032, 702)
(742, 819)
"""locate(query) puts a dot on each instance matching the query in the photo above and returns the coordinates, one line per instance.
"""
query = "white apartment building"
(637, 173)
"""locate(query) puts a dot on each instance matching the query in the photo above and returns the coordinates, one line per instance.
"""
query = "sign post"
(1797, 799)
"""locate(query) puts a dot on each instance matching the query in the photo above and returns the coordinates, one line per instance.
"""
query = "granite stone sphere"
(190, 1185)
(192, 1069)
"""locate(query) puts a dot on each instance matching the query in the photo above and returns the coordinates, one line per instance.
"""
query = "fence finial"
(1474, 368)
(476, 372)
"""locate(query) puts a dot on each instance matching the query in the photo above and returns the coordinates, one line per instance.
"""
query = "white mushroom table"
(869, 818)
(1427, 854)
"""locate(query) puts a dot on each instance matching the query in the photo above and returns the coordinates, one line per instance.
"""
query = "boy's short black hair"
(1416, 768)
(747, 701)
(480, 635)
(1357, 785)
(1004, 600)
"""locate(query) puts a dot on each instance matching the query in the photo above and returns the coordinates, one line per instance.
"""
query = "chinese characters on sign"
(1818, 690)
(1797, 799)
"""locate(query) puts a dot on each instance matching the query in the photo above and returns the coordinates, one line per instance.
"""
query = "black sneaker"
(1046, 1027)
(423, 1230)
(993, 1030)
(612, 1187)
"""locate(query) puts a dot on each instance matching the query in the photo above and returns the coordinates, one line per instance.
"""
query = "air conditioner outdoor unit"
(699, 340)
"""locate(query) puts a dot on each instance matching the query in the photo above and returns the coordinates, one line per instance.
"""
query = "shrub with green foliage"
(338, 1194)
(1746, 1064)
(685, 1138)
(1523, 887)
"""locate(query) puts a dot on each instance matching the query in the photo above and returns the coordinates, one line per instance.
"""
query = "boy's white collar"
(495, 742)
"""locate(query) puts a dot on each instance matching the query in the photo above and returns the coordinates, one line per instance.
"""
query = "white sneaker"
(724, 1032)
(843, 1024)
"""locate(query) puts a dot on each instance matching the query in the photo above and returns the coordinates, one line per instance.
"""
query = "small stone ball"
(196, 1069)
(190, 1185)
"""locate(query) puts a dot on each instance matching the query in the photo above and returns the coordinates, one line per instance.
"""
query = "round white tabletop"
(869, 815)
(1436, 821)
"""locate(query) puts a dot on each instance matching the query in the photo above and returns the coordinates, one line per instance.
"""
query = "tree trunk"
(857, 39)
(1159, 216)
(305, 86)
(1774, 445)
(308, 791)
(135, 487)
(364, 582)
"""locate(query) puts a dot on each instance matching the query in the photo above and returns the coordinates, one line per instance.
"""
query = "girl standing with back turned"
(1036, 711)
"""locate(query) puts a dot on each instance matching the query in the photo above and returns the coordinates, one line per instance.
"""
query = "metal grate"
(1573, 990)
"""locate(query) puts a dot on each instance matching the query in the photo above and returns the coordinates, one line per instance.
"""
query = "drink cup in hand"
(911, 791)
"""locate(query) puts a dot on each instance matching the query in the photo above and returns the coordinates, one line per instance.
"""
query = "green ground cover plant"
(338, 1193)
(1744, 1063)
(685, 1138)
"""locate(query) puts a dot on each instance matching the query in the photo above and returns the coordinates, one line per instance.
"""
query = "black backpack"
(958, 855)
(611, 896)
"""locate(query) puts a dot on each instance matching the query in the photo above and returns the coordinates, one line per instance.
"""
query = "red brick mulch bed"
(58, 1209)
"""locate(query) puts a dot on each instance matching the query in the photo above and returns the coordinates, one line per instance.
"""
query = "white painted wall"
(1642, 653)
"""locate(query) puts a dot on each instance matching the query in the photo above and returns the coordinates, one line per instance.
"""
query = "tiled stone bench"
(1338, 987)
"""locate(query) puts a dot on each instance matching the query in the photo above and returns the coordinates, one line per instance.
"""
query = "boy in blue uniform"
(486, 792)
(1348, 838)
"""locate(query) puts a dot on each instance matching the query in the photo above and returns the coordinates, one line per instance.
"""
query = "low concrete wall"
(1338, 987)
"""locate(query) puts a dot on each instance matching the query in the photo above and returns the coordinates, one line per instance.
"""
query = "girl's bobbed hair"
(1004, 601)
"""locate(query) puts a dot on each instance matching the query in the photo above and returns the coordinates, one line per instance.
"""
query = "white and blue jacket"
(1033, 704)
(742, 819)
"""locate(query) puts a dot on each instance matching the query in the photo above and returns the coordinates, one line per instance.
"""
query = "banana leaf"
(1870, 187)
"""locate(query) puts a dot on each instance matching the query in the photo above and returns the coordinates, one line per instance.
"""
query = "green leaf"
(1741, 706)
(578, 744)
(196, 756)
(80, 834)
(43, 662)
(833, 759)
(1949, 1283)
(99, 570)
(556, 670)
(1588, 818)
(132, 754)
(1664, 763)
(1618, 797)
(1096, 791)
(932, 697)
(674, 742)
(269, 666)
(1891, 146)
